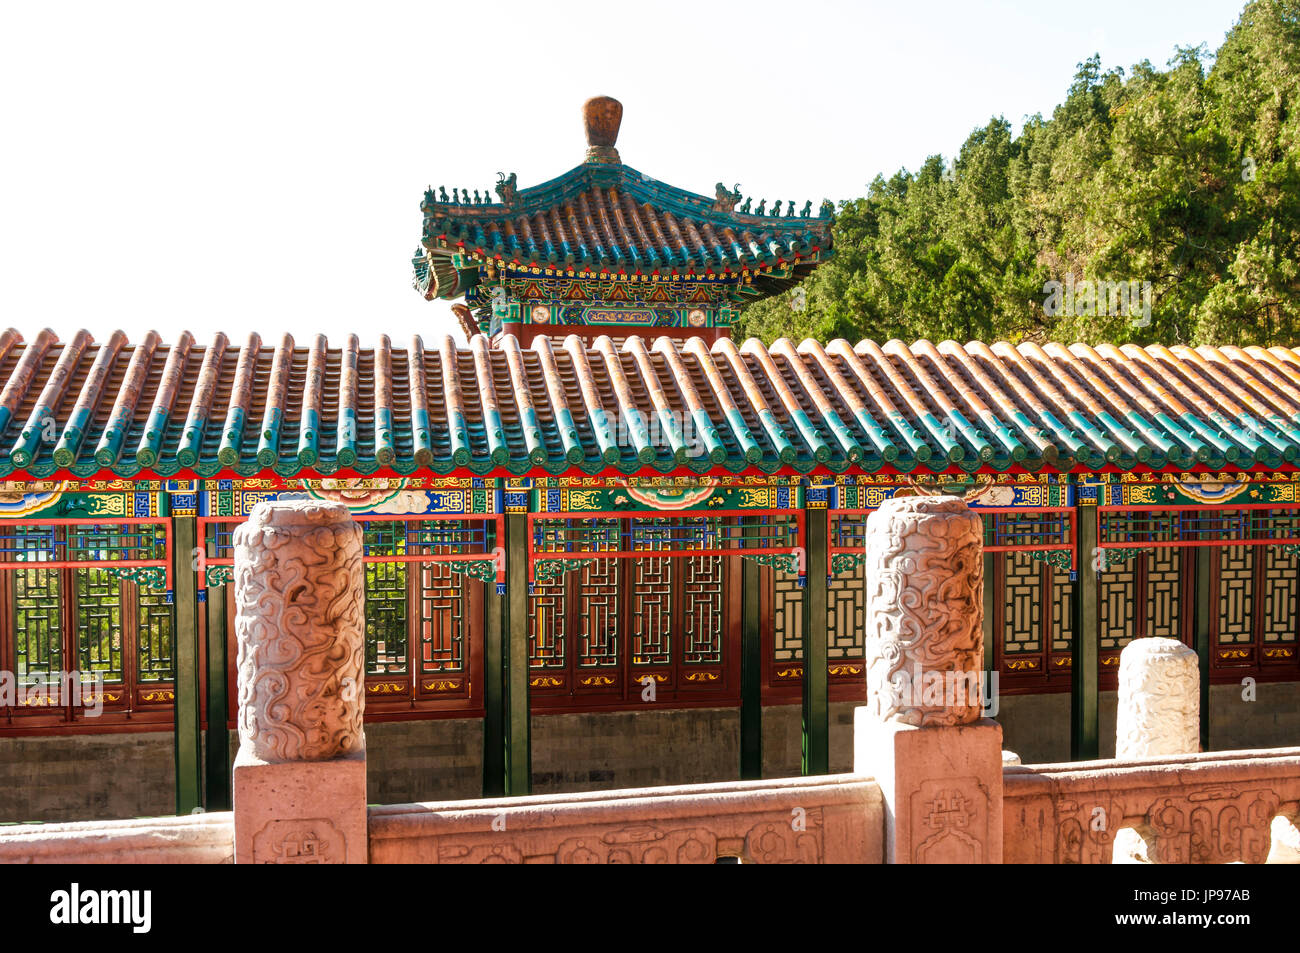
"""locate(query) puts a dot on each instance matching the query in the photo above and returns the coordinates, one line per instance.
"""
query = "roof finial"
(602, 116)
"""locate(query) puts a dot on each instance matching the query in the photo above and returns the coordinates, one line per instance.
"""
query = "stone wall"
(782, 739)
(87, 777)
(595, 751)
(435, 759)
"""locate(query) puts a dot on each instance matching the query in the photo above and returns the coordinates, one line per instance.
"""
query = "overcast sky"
(260, 167)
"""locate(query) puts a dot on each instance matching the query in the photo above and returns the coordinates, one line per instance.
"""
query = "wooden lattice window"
(36, 636)
(1281, 585)
(1032, 613)
(1236, 594)
(154, 636)
(423, 620)
(702, 610)
(97, 609)
(66, 626)
(846, 615)
(604, 631)
(652, 622)
(1140, 597)
(599, 622)
(442, 619)
(846, 599)
(1257, 588)
(547, 626)
(1165, 568)
(386, 618)
(787, 618)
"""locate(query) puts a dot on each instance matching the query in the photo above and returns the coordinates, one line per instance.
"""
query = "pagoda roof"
(597, 219)
(604, 218)
(86, 409)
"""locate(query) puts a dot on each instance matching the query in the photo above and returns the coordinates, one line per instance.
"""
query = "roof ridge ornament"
(506, 188)
(726, 201)
(602, 116)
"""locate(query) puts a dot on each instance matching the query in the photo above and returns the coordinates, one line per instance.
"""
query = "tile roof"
(244, 408)
(605, 218)
(615, 218)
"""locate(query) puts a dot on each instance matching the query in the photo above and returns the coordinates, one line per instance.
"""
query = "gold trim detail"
(442, 685)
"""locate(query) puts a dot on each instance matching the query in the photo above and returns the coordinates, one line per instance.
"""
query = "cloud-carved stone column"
(1159, 699)
(921, 734)
(1158, 713)
(300, 775)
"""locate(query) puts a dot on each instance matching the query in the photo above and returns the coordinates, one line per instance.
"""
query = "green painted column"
(185, 652)
(751, 669)
(1084, 675)
(816, 706)
(494, 691)
(518, 731)
(1207, 603)
(217, 755)
(990, 645)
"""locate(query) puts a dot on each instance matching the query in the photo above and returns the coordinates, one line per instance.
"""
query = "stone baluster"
(300, 775)
(921, 734)
(1159, 700)
(1159, 712)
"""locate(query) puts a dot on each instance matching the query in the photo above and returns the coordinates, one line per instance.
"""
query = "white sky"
(259, 167)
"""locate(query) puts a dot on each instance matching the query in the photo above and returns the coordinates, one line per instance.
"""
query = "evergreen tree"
(1166, 201)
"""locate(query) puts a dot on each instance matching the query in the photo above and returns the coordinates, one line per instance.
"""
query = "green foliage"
(1187, 178)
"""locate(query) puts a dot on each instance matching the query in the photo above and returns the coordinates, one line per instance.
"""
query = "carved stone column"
(300, 775)
(921, 734)
(1159, 713)
(1159, 699)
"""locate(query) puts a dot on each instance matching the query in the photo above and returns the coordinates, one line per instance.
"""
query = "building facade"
(606, 544)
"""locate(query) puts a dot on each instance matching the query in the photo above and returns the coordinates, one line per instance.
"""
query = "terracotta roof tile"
(628, 405)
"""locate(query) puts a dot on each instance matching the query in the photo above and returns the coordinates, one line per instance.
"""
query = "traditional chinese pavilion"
(606, 544)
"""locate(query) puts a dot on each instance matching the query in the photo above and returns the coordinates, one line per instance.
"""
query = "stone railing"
(931, 783)
(188, 839)
(1210, 808)
(836, 819)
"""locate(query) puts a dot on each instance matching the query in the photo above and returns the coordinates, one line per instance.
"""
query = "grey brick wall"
(87, 777)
